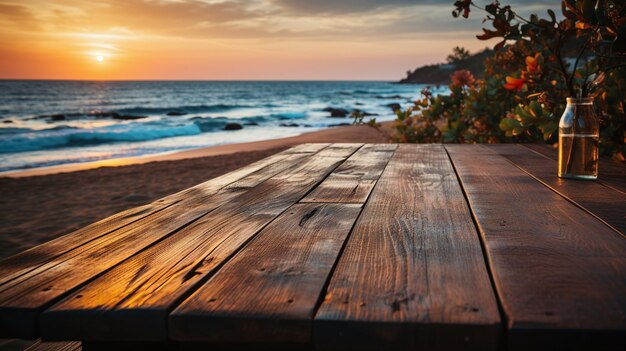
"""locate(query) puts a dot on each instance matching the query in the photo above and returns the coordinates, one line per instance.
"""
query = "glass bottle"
(579, 136)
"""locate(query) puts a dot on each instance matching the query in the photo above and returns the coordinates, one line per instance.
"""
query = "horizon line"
(199, 80)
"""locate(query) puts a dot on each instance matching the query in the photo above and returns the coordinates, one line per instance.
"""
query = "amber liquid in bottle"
(579, 138)
(583, 162)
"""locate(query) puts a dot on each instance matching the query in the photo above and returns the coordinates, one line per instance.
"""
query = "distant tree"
(458, 53)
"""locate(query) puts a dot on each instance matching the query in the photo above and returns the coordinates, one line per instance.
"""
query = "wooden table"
(344, 246)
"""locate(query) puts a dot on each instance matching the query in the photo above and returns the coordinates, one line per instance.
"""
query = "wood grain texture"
(29, 260)
(217, 183)
(23, 298)
(307, 148)
(343, 150)
(353, 181)
(610, 206)
(15, 266)
(611, 173)
(132, 301)
(412, 275)
(267, 294)
(55, 346)
(560, 273)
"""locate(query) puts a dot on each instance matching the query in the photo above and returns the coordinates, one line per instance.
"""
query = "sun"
(100, 58)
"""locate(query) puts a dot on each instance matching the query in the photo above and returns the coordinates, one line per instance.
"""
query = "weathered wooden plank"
(560, 273)
(132, 301)
(269, 291)
(611, 173)
(344, 150)
(55, 346)
(23, 298)
(15, 266)
(133, 346)
(307, 148)
(353, 181)
(609, 206)
(217, 183)
(22, 263)
(412, 275)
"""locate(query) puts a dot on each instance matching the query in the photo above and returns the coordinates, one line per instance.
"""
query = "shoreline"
(333, 134)
(39, 205)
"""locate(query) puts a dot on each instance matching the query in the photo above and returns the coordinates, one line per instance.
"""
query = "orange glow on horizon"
(204, 40)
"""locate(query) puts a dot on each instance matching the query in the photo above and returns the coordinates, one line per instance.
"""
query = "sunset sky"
(231, 39)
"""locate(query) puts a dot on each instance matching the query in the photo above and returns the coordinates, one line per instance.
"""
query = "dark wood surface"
(413, 267)
(353, 181)
(612, 173)
(142, 291)
(558, 271)
(608, 205)
(340, 247)
(23, 298)
(304, 243)
(55, 346)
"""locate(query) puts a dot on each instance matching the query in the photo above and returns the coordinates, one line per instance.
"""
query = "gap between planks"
(366, 308)
(37, 256)
(19, 318)
(606, 178)
(557, 286)
(497, 149)
(221, 313)
(486, 258)
(62, 321)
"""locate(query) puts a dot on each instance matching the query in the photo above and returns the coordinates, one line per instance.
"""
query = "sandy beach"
(41, 204)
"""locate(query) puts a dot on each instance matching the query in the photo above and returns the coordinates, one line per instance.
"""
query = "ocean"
(46, 123)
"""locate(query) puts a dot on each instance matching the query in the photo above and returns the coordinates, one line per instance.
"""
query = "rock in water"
(103, 114)
(289, 125)
(233, 126)
(336, 112)
(394, 106)
(394, 97)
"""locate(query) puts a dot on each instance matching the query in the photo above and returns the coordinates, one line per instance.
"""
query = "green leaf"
(509, 124)
(548, 129)
(535, 109)
(524, 115)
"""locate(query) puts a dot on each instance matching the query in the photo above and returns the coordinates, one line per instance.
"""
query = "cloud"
(340, 6)
(232, 39)
(17, 14)
(359, 6)
(249, 19)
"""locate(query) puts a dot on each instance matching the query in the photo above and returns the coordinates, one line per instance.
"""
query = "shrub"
(528, 79)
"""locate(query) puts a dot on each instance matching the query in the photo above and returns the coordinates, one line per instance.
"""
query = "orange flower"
(462, 78)
(514, 83)
(532, 63)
